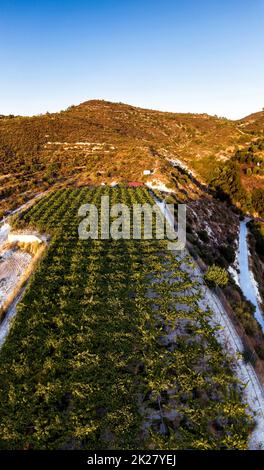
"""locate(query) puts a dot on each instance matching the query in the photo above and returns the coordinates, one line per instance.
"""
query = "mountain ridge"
(97, 101)
(99, 142)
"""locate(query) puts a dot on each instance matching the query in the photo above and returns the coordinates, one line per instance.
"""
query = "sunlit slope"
(99, 141)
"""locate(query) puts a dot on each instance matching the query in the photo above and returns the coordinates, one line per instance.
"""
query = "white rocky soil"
(13, 263)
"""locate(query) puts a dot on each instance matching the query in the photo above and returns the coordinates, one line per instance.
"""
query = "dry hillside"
(99, 141)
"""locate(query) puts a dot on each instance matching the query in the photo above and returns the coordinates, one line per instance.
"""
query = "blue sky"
(181, 55)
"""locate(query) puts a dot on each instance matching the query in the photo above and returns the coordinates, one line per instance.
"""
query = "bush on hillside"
(216, 276)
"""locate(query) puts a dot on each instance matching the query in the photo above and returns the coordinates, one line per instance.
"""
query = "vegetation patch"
(110, 350)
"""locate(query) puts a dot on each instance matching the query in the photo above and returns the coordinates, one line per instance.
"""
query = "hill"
(254, 123)
(99, 141)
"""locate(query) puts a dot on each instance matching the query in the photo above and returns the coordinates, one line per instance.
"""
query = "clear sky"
(175, 55)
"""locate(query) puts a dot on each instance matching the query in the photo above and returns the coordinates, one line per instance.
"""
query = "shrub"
(260, 350)
(250, 326)
(191, 238)
(217, 276)
(203, 235)
(228, 253)
(249, 172)
(258, 200)
(249, 355)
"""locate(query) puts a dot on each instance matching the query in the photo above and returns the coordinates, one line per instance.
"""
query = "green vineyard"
(109, 348)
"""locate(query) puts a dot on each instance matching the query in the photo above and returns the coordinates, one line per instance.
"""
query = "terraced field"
(110, 349)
